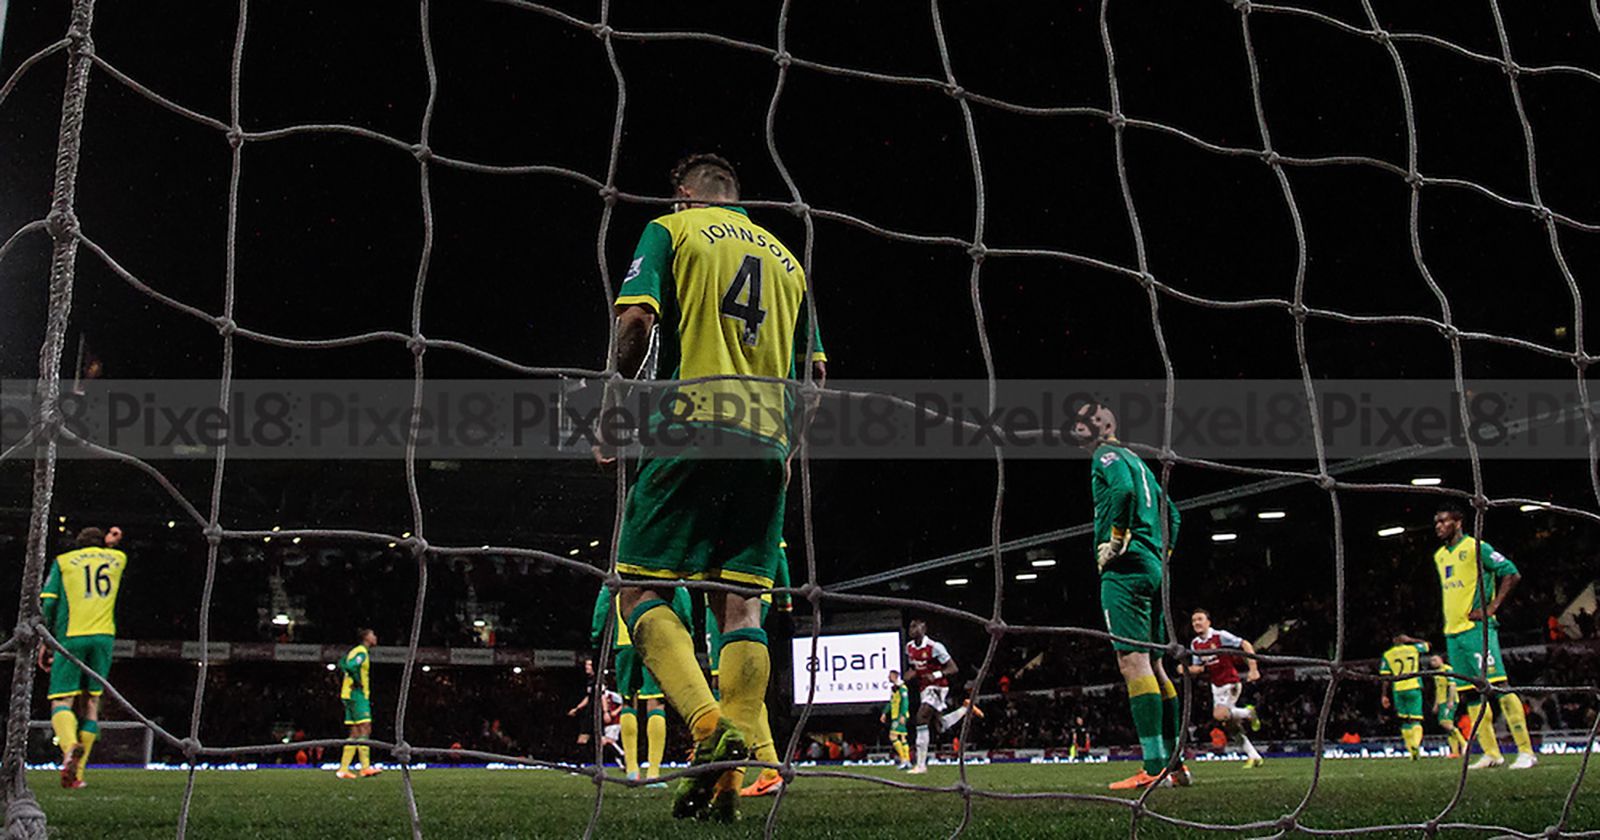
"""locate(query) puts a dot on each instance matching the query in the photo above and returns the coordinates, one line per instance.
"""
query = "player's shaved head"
(366, 636)
(706, 176)
(1094, 423)
(91, 537)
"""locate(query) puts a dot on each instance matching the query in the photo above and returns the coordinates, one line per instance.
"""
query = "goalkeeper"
(1465, 615)
(732, 301)
(1128, 551)
(635, 684)
(79, 604)
(355, 693)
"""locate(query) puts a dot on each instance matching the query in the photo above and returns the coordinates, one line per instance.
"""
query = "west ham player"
(929, 667)
(1223, 673)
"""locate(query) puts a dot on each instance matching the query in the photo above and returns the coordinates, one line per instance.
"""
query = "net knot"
(783, 58)
(225, 325)
(811, 592)
(401, 752)
(78, 41)
(417, 344)
(787, 772)
(1271, 158)
(1449, 331)
(1582, 361)
(955, 91)
(1146, 279)
(978, 252)
(799, 208)
(1511, 68)
(212, 533)
(62, 224)
(421, 152)
(1117, 121)
(609, 194)
(1298, 310)
(417, 545)
(1241, 6)
(996, 627)
(1480, 502)
(1415, 180)
(602, 30)
(613, 582)
(1431, 827)
(964, 788)
(1287, 822)
(1542, 213)
(1326, 482)
(1552, 831)
(1381, 36)
(235, 137)
(190, 747)
(597, 774)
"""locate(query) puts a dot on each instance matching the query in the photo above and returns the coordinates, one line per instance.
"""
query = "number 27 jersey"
(731, 299)
(87, 581)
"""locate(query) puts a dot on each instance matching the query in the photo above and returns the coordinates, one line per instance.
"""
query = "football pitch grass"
(472, 803)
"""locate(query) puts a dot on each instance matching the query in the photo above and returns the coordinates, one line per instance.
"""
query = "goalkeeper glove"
(1108, 551)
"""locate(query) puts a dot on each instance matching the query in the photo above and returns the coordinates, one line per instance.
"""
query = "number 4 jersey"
(731, 299)
(86, 582)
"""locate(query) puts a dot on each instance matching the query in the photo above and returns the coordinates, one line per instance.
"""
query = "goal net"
(1158, 291)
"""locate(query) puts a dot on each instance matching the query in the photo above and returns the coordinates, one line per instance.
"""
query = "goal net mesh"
(71, 241)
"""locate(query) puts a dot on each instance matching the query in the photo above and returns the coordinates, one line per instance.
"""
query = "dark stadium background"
(330, 232)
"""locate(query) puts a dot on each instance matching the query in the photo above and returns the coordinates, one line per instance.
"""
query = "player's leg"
(96, 653)
(348, 754)
(655, 724)
(67, 683)
(1510, 705)
(88, 728)
(628, 734)
(364, 750)
(1447, 722)
(745, 668)
(925, 715)
(1126, 601)
(1466, 654)
(1408, 707)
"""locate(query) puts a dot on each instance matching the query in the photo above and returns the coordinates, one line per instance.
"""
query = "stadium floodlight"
(480, 623)
(1531, 508)
(594, 543)
(1027, 576)
(516, 669)
(172, 523)
(276, 529)
(266, 539)
(281, 619)
(955, 582)
(1392, 531)
(573, 553)
(1042, 564)
(406, 535)
(63, 520)
(391, 545)
(1224, 536)
(296, 541)
(1426, 481)
(427, 668)
(331, 666)
(1271, 514)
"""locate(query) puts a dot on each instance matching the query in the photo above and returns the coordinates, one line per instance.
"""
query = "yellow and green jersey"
(1402, 660)
(1127, 497)
(1444, 688)
(899, 706)
(731, 301)
(1458, 579)
(355, 665)
(80, 596)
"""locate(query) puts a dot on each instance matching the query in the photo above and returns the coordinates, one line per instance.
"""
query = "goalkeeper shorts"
(1130, 596)
(69, 680)
(690, 517)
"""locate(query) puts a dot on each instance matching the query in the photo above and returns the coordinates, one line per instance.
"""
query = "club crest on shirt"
(1106, 459)
(633, 269)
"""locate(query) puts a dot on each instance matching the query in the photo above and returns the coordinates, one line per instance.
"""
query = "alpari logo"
(832, 664)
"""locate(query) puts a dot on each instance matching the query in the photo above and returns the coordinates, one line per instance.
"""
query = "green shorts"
(702, 518)
(67, 679)
(1408, 704)
(1130, 596)
(1447, 714)
(1469, 659)
(714, 636)
(635, 679)
(897, 730)
(357, 708)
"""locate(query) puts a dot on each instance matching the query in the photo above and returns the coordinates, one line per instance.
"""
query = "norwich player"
(635, 685)
(895, 713)
(1445, 700)
(1128, 546)
(1466, 618)
(356, 693)
(1402, 660)
(762, 744)
(79, 602)
(732, 301)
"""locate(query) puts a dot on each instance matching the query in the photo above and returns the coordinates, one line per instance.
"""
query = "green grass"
(301, 804)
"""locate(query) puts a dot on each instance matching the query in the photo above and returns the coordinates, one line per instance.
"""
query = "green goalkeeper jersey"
(1127, 498)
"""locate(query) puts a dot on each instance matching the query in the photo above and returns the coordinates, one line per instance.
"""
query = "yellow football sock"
(1457, 742)
(346, 757)
(65, 724)
(365, 753)
(1484, 729)
(1411, 733)
(1516, 721)
(668, 651)
(655, 727)
(763, 745)
(87, 737)
(630, 742)
(903, 749)
(746, 667)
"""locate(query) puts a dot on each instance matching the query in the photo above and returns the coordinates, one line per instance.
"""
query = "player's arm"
(1250, 662)
(602, 613)
(1113, 506)
(1385, 670)
(638, 305)
(947, 665)
(1510, 576)
(807, 350)
(49, 603)
(1191, 667)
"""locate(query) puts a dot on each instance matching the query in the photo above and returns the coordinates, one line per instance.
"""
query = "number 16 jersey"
(87, 581)
(731, 300)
